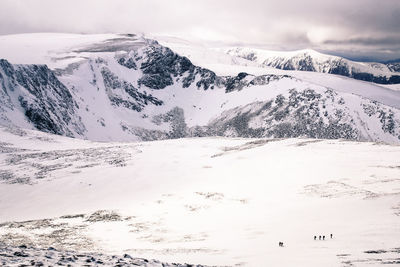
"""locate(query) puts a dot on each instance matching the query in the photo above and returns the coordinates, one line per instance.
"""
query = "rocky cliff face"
(47, 103)
(160, 66)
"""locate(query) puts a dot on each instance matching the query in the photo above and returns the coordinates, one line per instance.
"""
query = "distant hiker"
(315, 237)
(319, 237)
(281, 244)
(331, 236)
(323, 238)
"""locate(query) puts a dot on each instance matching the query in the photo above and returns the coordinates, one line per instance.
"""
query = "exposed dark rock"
(137, 99)
(160, 65)
(176, 118)
(233, 83)
(20, 254)
(394, 65)
(129, 63)
(47, 103)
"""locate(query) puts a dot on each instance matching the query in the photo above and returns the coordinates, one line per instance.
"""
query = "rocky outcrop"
(161, 67)
(115, 86)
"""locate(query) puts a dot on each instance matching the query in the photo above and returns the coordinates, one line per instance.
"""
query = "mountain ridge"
(128, 88)
(311, 60)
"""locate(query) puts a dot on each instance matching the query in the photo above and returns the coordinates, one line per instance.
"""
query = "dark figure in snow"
(315, 237)
(319, 237)
(323, 238)
(331, 236)
(281, 244)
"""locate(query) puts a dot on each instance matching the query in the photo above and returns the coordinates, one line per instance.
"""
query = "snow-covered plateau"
(212, 201)
(120, 150)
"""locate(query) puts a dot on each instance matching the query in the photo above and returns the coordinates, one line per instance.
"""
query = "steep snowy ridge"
(126, 88)
(310, 60)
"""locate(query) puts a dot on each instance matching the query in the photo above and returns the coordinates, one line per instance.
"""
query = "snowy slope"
(212, 201)
(127, 87)
(310, 60)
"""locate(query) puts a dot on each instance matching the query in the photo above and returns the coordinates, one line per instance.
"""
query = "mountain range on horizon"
(311, 60)
(114, 87)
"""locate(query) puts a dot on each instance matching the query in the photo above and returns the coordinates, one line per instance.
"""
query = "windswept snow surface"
(213, 201)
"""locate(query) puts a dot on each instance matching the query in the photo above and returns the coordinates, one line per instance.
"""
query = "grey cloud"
(370, 41)
(281, 24)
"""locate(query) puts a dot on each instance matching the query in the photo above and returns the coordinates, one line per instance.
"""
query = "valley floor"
(212, 201)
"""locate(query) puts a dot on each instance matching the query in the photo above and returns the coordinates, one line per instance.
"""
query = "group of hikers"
(321, 237)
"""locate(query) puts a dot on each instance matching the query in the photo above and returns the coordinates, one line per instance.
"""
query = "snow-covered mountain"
(211, 200)
(311, 60)
(126, 87)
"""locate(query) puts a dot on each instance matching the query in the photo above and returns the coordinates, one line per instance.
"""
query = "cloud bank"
(367, 29)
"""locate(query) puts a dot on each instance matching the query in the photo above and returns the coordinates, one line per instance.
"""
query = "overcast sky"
(360, 29)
